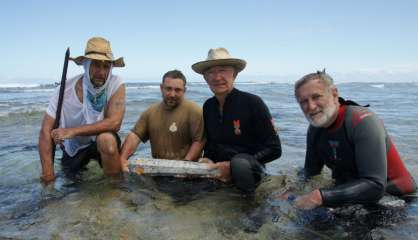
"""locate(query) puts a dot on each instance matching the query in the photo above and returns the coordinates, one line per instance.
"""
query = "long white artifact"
(165, 167)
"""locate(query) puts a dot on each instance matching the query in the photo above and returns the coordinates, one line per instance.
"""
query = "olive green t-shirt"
(170, 131)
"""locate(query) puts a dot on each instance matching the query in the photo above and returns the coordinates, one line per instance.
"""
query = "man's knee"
(245, 171)
(241, 163)
(107, 143)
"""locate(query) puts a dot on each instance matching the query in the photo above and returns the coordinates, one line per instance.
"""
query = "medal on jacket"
(173, 127)
(237, 125)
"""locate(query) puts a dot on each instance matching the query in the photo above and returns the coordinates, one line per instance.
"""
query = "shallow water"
(147, 208)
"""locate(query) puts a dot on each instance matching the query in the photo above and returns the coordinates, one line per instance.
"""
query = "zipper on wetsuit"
(221, 114)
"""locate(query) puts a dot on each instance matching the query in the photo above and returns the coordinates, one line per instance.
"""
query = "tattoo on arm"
(118, 104)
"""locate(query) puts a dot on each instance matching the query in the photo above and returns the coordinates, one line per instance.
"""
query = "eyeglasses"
(219, 70)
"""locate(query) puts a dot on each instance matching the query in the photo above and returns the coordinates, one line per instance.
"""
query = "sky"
(280, 40)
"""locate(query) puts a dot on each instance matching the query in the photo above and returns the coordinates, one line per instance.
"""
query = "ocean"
(146, 208)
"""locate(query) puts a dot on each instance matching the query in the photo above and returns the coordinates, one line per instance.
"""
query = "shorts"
(82, 158)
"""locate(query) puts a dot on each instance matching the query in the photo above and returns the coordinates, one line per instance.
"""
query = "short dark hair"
(175, 74)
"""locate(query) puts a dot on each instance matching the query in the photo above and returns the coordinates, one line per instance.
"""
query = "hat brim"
(116, 63)
(201, 67)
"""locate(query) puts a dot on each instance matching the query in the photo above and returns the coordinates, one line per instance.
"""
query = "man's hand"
(204, 160)
(309, 201)
(60, 134)
(124, 164)
(224, 170)
(47, 179)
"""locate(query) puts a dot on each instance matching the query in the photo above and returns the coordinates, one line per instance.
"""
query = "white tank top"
(72, 111)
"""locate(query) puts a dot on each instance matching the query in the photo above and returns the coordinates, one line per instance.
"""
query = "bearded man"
(92, 114)
(350, 140)
(174, 126)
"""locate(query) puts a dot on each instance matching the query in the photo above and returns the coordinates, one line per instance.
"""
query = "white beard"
(325, 117)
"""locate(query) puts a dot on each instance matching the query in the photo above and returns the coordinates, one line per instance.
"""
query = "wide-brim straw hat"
(99, 48)
(219, 57)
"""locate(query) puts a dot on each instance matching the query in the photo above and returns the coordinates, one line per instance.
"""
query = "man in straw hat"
(92, 113)
(240, 132)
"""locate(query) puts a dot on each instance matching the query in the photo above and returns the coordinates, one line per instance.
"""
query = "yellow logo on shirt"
(173, 127)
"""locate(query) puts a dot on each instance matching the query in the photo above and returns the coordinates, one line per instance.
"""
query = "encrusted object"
(165, 167)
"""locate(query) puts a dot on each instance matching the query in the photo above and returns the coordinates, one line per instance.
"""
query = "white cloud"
(401, 68)
(402, 72)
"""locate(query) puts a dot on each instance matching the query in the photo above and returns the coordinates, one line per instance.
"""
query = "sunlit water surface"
(164, 208)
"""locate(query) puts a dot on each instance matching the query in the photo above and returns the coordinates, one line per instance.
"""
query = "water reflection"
(168, 208)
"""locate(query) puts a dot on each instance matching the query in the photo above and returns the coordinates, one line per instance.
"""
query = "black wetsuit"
(245, 126)
(361, 155)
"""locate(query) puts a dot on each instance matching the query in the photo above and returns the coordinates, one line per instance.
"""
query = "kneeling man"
(239, 129)
(92, 113)
(173, 126)
(350, 140)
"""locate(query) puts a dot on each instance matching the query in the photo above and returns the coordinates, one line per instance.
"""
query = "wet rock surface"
(168, 208)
